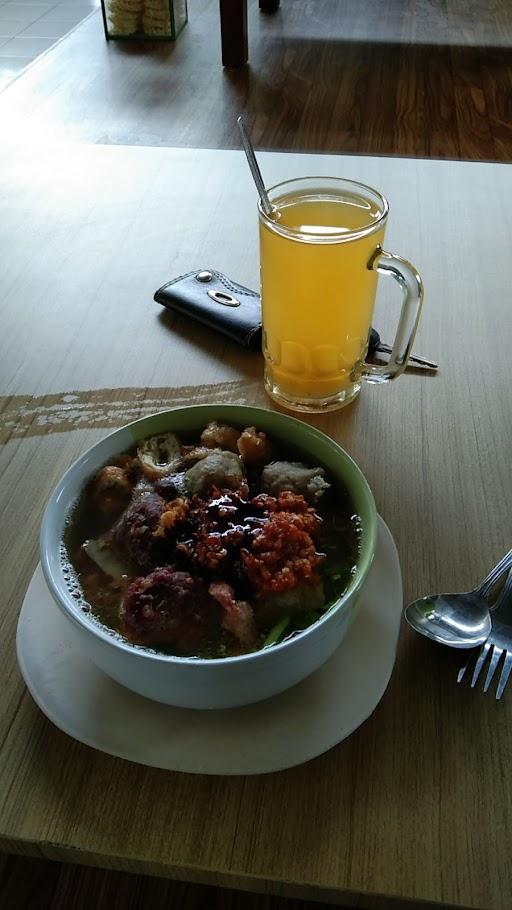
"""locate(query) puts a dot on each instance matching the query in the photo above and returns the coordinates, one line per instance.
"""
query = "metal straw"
(266, 204)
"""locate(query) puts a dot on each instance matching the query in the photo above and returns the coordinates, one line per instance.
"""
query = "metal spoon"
(458, 620)
(266, 204)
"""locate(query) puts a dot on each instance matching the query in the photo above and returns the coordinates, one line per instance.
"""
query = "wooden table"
(425, 95)
(416, 805)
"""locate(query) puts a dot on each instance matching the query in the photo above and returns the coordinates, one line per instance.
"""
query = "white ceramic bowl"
(231, 681)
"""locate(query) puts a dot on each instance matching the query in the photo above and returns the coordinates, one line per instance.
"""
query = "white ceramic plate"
(269, 736)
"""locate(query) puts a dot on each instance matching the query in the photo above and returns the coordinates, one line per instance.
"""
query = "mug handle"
(412, 289)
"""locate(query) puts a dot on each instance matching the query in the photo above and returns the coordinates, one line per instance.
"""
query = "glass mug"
(320, 255)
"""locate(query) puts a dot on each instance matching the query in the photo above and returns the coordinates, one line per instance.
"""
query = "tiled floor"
(29, 28)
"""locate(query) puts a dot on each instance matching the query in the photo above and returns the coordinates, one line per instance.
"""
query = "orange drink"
(318, 250)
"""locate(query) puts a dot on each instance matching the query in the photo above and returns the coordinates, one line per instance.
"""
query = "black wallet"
(216, 301)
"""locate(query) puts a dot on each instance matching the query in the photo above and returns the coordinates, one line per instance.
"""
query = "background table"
(416, 804)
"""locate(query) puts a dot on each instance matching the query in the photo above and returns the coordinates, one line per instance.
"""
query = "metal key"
(375, 346)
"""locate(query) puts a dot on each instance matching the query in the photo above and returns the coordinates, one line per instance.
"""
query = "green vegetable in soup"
(277, 632)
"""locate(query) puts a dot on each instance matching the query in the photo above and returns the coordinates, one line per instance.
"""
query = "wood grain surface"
(381, 77)
(35, 884)
(415, 806)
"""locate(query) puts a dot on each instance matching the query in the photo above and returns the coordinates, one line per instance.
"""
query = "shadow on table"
(214, 345)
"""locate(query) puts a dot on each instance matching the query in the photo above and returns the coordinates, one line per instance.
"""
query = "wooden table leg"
(233, 30)
(269, 6)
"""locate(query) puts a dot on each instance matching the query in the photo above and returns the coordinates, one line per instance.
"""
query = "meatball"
(279, 476)
(136, 530)
(220, 469)
(220, 436)
(111, 488)
(171, 608)
(254, 447)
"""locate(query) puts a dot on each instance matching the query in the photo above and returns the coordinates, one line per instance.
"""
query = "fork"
(498, 643)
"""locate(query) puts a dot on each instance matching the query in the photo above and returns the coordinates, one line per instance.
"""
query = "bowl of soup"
(210, 556)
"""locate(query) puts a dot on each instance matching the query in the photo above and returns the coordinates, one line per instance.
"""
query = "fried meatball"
(135, 530)
(111, 488)
(219, 469)
(170, 608)
(254, 447)
(220, 436)
(279, 476)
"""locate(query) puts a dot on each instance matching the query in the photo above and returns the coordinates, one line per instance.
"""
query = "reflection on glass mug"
(320, 253)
